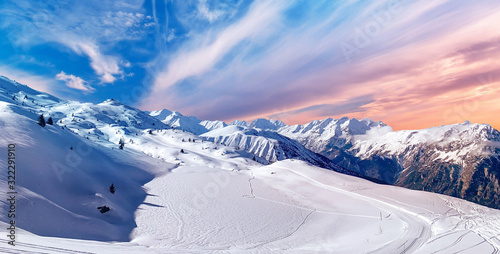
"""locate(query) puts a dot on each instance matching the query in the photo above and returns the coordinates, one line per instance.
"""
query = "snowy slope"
(63, 178)
(291, 207)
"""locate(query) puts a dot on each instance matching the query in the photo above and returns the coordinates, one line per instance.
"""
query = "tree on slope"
(49, 121)
(121, 143)
(41, 120)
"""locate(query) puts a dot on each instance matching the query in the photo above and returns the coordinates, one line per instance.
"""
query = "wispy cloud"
(196, 61)
(81, 27)
(107, 67)
(74, 82)
(410, 58)
(206, 13)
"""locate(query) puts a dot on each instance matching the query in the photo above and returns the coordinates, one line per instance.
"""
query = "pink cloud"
(430, 58)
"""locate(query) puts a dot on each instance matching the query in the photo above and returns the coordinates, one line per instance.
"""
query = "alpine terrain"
(110, 178)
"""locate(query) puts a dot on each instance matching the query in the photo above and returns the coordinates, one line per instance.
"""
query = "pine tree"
(182, 150)
(151, 132)
(49, 121)
(121, 143)
(41, 120)
(112, 189)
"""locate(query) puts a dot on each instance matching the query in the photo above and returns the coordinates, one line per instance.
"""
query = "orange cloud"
(443, 80)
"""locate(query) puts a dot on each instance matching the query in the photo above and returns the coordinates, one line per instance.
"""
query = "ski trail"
(29, 248)
(419, 226)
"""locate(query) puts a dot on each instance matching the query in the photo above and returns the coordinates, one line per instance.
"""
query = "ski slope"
(290, 207)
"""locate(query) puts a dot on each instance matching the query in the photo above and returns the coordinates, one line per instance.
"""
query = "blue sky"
(396, 61)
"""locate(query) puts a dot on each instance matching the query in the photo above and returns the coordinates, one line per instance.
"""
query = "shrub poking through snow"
(103, 209)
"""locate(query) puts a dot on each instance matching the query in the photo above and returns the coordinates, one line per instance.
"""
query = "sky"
(410, 64)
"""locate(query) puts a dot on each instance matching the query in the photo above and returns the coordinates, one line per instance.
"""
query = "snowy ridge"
(451, 143)
(65, 178)
(266, 124)
(322, 135)
(239, 123)
(187, 123)
(267, 146)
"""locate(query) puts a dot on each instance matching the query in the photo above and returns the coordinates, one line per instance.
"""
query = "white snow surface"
(207, 198)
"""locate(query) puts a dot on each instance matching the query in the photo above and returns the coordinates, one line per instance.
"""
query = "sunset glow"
(410, 64)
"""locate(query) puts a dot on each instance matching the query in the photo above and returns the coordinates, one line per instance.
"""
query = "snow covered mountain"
(258, 138)
(268, 146)
(461, 160)
(187, 123)
(177, 192)
(328, 135)
(261, 123)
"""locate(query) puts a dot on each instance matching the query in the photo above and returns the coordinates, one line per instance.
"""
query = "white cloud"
(74, 82)
(86, 30)
(36, 82)
(105, 66)
(205, 12)
(198, 60)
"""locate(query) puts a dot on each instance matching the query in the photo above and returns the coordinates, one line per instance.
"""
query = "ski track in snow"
(419, 228)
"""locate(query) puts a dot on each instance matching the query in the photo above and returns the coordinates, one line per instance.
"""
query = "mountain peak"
(266, 124)
(239, 123)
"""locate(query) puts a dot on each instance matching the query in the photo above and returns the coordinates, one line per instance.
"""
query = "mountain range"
(185, 185)
(460, 160)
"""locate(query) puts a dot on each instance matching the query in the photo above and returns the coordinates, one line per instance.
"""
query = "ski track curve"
(419, 229)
